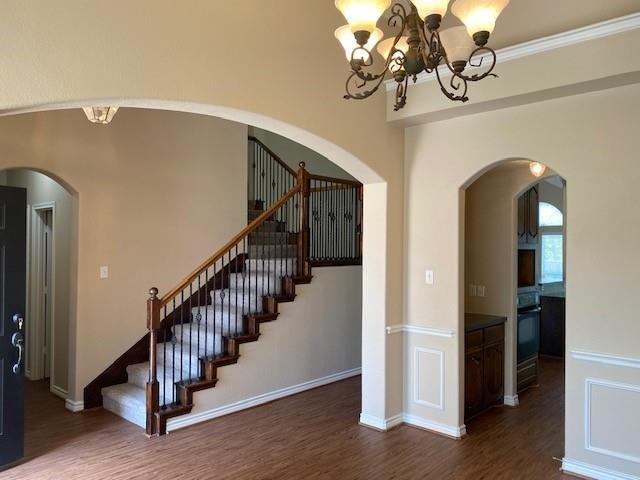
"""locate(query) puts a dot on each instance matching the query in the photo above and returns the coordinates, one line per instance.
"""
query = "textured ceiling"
(525, 20)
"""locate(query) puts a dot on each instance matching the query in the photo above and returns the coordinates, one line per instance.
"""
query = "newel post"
(303, 212)
(153, 325)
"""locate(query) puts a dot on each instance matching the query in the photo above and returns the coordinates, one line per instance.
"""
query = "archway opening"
(513, 297)
(51, 259)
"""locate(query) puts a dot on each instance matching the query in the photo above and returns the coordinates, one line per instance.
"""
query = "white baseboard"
(378, 423)
(187, 420)
(511, 400)
(592, 471)
(385, 424)
(448, 430)
(74, 406)
(58, 392)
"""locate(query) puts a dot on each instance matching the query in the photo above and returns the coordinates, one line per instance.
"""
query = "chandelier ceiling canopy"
(419, 45)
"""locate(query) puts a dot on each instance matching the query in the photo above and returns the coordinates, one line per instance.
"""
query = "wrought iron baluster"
(181, 334)
(164, 363)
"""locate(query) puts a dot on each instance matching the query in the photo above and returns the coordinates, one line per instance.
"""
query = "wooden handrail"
(343, 181)
(228, 246)
(275, 157)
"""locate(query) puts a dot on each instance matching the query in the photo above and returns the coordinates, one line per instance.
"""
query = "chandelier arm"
(476, 77)
(358, 65)
(401, 93)
(456, 83)
(432, 57)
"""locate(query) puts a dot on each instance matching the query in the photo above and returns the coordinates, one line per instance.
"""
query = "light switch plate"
(104, 272)
(428, 277)
(481, 290)
(473, 290)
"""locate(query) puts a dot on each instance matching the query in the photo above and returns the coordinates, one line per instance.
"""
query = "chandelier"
(419, 45)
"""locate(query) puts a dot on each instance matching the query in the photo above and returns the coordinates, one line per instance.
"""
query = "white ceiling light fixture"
(101, 115)
(537, 169)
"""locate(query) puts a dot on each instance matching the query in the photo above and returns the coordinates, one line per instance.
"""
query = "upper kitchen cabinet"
(528, 229)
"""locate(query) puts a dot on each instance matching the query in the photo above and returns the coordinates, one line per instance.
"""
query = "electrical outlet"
(428, 277)
(104, 272)
(473, 290)
(481, 290)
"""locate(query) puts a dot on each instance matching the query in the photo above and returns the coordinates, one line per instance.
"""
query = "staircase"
(199, 326)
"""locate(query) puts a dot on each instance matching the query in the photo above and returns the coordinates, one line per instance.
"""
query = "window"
(551, 254)
(550, 216)
(551, 258)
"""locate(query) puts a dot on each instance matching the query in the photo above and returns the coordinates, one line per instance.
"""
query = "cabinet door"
(493, 374)
(532, 217)
(473, 378)
(522, 221)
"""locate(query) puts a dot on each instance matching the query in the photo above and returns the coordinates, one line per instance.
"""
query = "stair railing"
(335, 221)
(269, 176)
(197, 325)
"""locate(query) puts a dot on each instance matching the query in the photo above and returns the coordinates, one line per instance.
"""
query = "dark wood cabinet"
(494, 374)
(552, 326)
(473, 382)
(484, 369)
(528, 216)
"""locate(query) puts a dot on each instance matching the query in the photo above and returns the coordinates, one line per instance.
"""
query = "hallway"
(310, 435)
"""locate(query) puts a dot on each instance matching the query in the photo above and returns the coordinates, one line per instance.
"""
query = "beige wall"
(174, 55)
(42, 189)
(149, 183)
(312, 341)
(293, 153)
(590, 140)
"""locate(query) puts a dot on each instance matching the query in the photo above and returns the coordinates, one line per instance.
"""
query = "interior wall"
(43, 189)
(313, 341)
(590, 140)
(149, 183)
(177, 64)
(292, 153)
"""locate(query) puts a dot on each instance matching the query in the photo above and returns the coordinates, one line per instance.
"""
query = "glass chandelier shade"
(362, 15)
(102, 115)
(478, 15)
(457, 43)
(384, 48)
(537, 169)
(430, 7)
(348, 42)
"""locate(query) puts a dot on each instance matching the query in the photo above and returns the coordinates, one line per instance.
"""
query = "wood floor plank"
(313, 435)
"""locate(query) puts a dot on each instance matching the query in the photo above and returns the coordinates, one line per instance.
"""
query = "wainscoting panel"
(612, 417)
(429, 377)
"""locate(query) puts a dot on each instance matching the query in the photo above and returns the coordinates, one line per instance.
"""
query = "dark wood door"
(532, 216)
(13, 203)
(493, 374)
(473, 389)
(552, 326)
(522, 227)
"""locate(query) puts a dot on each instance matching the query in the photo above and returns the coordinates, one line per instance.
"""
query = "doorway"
(41, 293)
(514, 259)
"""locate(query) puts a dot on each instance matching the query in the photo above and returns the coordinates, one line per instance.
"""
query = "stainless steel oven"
(528, 325)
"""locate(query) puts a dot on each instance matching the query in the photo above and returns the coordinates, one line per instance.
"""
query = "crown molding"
(544, 44)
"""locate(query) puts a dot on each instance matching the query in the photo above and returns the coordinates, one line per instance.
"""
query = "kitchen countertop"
(477, 321)
(553, 295)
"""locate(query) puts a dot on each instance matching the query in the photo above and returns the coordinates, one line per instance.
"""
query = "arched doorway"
(50, 272)
(513, 257)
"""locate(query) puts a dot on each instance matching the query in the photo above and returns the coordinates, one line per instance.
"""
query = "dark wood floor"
(313, 435)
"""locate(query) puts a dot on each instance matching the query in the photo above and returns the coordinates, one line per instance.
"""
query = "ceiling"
(524, 20)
